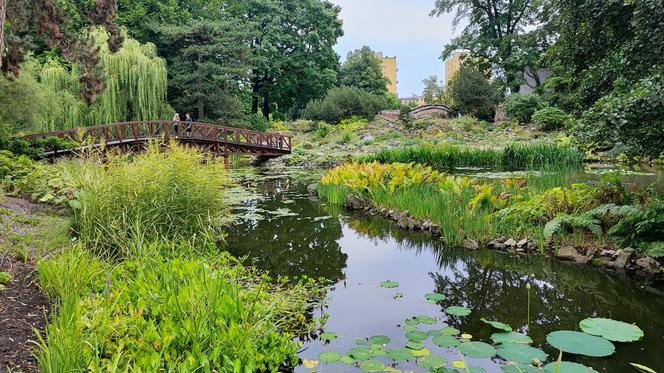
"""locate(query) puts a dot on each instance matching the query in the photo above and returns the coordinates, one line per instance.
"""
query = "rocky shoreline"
(625, 260)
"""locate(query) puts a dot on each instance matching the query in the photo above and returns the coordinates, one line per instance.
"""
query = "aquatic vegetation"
(616, 331)
(513, 156)
(389, 284)
(580, 343)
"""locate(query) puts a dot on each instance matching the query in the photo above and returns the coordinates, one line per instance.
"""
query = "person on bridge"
(176, 124)
(188, 121)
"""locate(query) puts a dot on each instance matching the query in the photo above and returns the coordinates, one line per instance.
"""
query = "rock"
(608, 253)
(567, 253)
(648, 264)
(510, 243)
(470, 245)
(313, 189)
(435, 230)
(522, 243)
(368, 139)
(623, 257)
(602, 262)
(354, 202)
(496, 245)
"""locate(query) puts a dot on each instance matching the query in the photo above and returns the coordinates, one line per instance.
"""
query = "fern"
(615, 210)
(654, 249)
(562, 221)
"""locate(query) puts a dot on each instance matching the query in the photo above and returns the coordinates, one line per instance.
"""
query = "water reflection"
(358, 252)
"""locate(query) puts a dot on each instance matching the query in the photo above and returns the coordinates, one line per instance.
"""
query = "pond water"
(287, 233)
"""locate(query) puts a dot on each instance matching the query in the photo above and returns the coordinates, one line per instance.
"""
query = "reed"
(511, 157)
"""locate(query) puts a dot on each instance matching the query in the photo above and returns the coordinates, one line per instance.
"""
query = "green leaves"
(372, 366)
(431, 362)
(458, 311)
(497, 325)
(417, 335)
(477, 349)
(328, 336)
(612, 330)
(389, 284)
(511, 337)
(520, 353)
(434, 298)
(329, 357)
(580, 343)
(445, 341)
(568, 367)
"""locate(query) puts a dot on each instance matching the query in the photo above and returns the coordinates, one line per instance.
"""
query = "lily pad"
(421, 353)
(362, 342)
(329, 357)
(580, 343)
(417, 335)
(520, 353)
(347, 359)
(360, 353)
(612, 330)
(372, 366)
(448, 330)
(512, 367)
(412, 322)
(414, 345)
(459, 364)
(458, 311)
(378, 350)
(409, 328)
(511, 337)
(434, 298)
(426, 320)
(497, 325)
(568, 367)
(389, 284)
(379, 340)
(431, 362)
(328, 336)
(445, 341)
(477, 349)
(400, 354)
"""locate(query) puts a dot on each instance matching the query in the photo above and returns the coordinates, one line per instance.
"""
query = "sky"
(401, 28)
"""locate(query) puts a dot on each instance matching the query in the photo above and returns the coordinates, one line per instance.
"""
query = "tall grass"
(511, 157)
(172, 194)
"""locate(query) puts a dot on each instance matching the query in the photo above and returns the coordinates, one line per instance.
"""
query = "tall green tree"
(209, 63)
(472, 94)
(498, 33)
(434, 92)
(37, 25)
(293, 44)
(362, 69)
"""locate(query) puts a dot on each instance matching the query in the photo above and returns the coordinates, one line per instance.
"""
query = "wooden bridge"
(133, 136)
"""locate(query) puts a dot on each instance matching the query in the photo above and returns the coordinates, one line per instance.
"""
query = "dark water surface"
(287, 233)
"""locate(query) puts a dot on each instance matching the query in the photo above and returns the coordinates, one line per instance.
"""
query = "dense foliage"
(472, 94)
(551, 118)
(345, 102)
(362, 69)
(522, 107)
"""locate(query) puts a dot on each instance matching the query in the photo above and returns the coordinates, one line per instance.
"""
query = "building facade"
(389, 67)
(452, 65)
(413, 100)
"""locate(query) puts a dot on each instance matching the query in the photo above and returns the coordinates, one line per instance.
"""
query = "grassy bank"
(145, 286)
(511, 157)
(481, 210)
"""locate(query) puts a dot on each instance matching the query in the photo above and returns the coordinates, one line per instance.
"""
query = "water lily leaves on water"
(520, 353)
(580, 343)
(329, 357)
(372, 366)
(409, 328)
(362, 342)
(400, 354)
(398, 296)
(414, 345)
(417, 335)
(412, 322)
(377, 350)
(448, 330)
(328, 336)
(476, 370)
(511, 337)
(642, 368)
(379, 340)
(434, 332)
(613, 330)
(422, 352)
(360, 353)
(477, 349)
(497, 325)
(347, 359)
(466, 336)
(389, 284)
(512, 367)
(459, 364)
(434, 298)
(568, 367)
(445, 341)
(431, 362)
(310, 364)
(426, 320)
(458, 311)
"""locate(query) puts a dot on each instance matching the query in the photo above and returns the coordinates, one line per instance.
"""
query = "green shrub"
(522, 107)
(259, 123)
(346, 137)
(641, 229)
(551, 119)
(176, 315)
(345, 102)
(323, 130)
(472, 93)
(172, 194)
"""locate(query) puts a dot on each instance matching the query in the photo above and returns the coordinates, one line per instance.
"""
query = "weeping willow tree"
(136, 86)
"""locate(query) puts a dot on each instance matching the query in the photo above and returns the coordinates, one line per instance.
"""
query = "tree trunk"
(254, 97)
(201, 109)
(266, 105)
(3, 12)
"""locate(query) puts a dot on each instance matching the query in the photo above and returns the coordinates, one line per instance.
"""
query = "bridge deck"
(212, 137)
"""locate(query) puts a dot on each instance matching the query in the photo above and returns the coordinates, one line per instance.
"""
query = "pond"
(285, 232)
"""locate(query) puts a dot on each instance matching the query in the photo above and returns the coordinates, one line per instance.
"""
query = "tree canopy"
(362, 69)
(434, 92)
(472, 94)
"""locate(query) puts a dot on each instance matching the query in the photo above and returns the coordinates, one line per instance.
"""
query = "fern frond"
(655, 249)
(615, 210)
(561, 221)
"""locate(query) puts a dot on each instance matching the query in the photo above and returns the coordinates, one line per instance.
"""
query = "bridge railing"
(119, 133)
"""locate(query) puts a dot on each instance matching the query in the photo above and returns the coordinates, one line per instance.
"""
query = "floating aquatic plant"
(616, 331)
(520, 353)
(477, 349)
(431, 362)
(328, 336)
(329, 357)
(458, 311)
(511, 337)
(580, 343)
(389, 284)
(497, 325)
